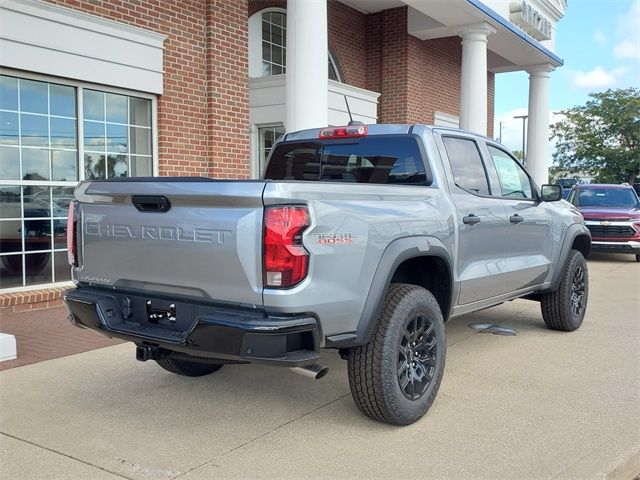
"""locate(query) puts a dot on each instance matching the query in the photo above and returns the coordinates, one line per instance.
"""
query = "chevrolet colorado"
(365, 239)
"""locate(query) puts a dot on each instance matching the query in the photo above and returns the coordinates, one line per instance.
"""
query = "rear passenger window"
(466, 164)
(514, 182)
(295, 161)
(385, 159)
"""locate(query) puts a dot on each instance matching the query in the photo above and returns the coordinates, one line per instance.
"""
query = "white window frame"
(255, 41)
(255, 45)
(256, 147)
(79, 88)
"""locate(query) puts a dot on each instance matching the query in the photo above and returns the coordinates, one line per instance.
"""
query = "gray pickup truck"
(364, 239)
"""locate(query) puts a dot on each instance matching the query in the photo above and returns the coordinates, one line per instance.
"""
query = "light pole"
(500, 136)
(524, 129)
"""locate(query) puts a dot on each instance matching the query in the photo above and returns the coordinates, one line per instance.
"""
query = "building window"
(274, 43)
(117, 135)
(40, 145)
(268, 45)
(267, 136)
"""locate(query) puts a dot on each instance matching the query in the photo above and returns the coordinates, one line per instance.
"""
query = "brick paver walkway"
(46, 334)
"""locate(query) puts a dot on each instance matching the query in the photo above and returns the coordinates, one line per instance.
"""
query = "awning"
(509, 49)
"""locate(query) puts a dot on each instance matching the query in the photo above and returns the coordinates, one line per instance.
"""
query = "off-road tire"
(374, 368)
(558, 311)
(187, 367)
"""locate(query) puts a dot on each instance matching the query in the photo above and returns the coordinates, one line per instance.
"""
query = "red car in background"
(612, 215)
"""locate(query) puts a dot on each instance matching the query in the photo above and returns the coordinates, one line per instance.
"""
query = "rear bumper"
(201, 330)
(631, 246)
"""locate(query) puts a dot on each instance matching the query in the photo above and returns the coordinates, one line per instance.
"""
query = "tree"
(601, 138)
(518, 154)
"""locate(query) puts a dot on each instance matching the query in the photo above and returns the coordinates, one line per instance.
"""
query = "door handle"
(515, 219)
(471, 219)
(151, 203)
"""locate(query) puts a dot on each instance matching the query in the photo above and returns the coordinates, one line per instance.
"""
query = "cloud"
(600, 37)
(628, 46)
(598, 78)
(628, 49)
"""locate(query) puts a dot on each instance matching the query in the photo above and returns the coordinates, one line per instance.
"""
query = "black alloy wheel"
(417, 357)
(577, 291)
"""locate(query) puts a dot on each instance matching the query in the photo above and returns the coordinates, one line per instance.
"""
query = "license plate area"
(161, 315)
(166, 313)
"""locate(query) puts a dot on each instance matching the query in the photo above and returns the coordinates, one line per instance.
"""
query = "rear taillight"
(72, 242)
(285, 259)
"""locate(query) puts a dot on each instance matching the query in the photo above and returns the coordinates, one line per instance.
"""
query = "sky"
(599, 41)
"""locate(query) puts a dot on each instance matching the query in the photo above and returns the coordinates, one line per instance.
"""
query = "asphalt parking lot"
(540, 404)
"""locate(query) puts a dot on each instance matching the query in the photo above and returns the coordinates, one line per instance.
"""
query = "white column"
(307, 73)
(473, 79)
(538, 128)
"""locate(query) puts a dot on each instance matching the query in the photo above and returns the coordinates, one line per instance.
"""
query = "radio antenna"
(351, 120)
(348, 109)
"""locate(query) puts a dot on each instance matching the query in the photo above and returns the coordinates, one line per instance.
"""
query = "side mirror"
(551, 193)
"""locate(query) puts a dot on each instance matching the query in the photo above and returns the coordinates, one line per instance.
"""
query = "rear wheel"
(564, 309)
(187, 367)
(396, 376)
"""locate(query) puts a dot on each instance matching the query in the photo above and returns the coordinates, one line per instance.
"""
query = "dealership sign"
(530, 20)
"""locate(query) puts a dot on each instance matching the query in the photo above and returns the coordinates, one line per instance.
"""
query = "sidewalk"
(537, 405)
(46, 334)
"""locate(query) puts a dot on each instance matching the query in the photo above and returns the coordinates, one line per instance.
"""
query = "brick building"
(102, 88)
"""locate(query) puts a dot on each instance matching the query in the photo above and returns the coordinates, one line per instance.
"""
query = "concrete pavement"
(540, 404)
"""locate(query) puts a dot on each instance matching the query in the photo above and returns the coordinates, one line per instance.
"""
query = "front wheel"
(564, 309)
(637, 257)
(395, 377)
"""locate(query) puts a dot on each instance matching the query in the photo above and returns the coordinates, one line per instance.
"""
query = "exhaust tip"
(314, 371)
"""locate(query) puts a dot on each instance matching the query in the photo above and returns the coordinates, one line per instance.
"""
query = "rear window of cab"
(386, 160)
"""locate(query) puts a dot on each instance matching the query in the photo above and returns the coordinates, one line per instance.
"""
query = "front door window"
(514, 183)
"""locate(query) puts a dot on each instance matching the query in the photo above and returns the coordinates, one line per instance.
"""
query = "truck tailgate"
(207, 244)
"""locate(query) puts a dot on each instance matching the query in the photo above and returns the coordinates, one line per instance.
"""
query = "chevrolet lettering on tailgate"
(180, 234)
